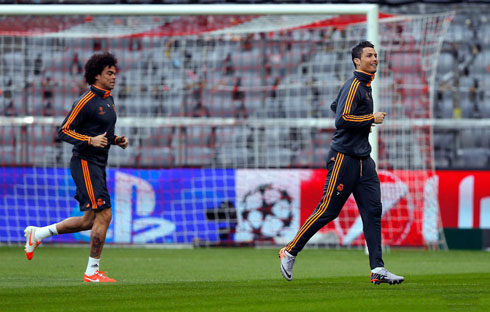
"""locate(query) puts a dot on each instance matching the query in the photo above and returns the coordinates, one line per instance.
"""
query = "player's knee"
(105, 216)
(87, 221)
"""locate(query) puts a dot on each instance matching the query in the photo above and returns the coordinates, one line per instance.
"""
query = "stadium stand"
(463, 69)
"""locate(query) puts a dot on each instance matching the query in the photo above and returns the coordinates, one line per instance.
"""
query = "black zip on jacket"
(353, 110)
(91, 115)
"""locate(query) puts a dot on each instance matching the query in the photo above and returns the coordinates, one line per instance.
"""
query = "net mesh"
(229, 125)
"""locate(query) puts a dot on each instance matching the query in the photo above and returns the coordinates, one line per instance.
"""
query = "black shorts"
(90, 180)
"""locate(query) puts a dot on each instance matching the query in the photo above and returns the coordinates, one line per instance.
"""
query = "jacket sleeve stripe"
(73, 115)
(75, 135)
(358, 118)
(77, 108)
(350, 96)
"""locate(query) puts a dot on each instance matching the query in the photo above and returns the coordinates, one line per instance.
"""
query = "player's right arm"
(75, 118)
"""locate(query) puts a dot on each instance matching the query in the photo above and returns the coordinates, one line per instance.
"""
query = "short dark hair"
(357, 50)
(96, 64)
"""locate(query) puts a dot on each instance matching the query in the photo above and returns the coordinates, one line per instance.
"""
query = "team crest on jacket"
(101, 110)
(340, 187)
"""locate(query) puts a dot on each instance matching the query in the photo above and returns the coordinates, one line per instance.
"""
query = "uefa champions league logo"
(265, 214)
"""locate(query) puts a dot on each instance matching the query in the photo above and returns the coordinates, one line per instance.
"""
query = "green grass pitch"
(241, 279)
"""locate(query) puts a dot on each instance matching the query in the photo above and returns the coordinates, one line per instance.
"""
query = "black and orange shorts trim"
(90, 180)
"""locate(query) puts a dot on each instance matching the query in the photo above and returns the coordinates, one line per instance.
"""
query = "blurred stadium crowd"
(461, 90)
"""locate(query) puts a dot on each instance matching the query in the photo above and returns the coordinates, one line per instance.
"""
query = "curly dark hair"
(96, 64)
(357, 50)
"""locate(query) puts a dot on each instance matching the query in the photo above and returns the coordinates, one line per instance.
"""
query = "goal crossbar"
(197, 9)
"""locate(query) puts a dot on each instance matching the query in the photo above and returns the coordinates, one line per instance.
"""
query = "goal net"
(229, 125)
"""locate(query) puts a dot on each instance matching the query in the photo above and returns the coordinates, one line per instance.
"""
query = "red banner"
(464, 198)
(273, 204)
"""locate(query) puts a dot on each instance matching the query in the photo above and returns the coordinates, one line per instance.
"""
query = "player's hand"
(99, 141)
(379, 117)
(122, 141)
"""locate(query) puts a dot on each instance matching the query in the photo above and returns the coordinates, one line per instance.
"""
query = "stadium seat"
(303, 158)
(442, 160)
(43, 155)
(476, 158)
(199, 135)
(8, 155)
(159, 137)
(445, 63)
(42, 134)
(64, 154)
(232, 137)
(444, 107)
(199, 156)
(481, 63)
(277, 157)
(233, 157)
(276, 136)
(319, 158)
(9, 147)
(149, 157)
(8, 135)
(468, 138)
(458, 30)
(410, 62)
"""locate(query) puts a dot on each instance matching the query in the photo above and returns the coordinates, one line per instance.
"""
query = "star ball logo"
(265, 212)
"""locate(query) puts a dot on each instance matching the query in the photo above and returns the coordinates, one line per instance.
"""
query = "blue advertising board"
(149, 205)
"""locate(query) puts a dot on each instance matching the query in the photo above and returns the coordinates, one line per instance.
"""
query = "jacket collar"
(364, 77)
(101, 92)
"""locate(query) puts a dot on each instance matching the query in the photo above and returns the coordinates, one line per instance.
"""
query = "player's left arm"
(121, 141)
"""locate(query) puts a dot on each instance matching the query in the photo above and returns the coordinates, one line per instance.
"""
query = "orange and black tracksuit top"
(92, 114)
(353, 110)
